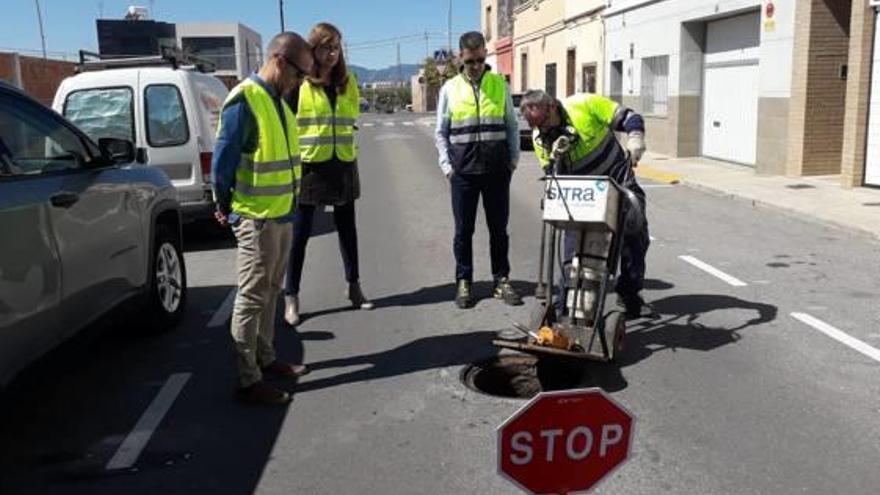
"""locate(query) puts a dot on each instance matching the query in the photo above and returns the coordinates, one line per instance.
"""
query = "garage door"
(872, 162)
(730, 89)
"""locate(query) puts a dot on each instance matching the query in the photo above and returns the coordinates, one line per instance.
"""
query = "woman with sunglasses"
(327, 105)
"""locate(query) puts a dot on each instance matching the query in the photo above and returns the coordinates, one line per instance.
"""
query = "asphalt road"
(737, 388)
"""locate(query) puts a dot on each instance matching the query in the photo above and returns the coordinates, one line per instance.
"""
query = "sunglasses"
(474, 61)
(299, 73)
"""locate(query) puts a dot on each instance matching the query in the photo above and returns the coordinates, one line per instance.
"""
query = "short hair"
(471, 40)
(286, 44)
(536, 97)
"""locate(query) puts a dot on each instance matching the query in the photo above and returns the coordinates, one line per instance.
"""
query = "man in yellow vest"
(478, 141)
(589, 122)
(255, 171)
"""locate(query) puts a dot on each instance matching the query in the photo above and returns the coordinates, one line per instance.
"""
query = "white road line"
(409, 124)
(713, 271)
(368, 124)
(838, 335)
(222, 315)
(134, 443)
(389, 124)
(428, 123)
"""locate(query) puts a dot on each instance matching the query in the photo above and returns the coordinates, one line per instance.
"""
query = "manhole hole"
(520, 376)
(800, 186)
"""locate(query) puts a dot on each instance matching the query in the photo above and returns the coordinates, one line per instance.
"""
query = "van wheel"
(167, 297)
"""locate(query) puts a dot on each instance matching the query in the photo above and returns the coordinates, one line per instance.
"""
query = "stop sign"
(563, 442)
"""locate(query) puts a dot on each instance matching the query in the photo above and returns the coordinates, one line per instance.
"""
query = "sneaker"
(463, 298)
(506, 292)
(260, 393)
(357, 298)
(291, 310)
(280, 369)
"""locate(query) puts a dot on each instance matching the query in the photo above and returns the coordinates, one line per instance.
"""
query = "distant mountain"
(365, 75)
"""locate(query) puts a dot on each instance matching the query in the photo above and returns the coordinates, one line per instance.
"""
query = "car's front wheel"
(167, 297)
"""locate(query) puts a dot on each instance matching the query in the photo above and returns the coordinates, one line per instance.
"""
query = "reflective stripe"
(473, 121)
(252, 190)
(474, 137)
(307, 121)
(319, 140)
(279, 166)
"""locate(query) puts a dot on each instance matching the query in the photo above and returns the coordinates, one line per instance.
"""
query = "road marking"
(389, 124)
(409, 124)
(224, 311)
(838, 335)
(713, 271)
(368, 124)
(134, 443)
(647, 172)
(428, 123)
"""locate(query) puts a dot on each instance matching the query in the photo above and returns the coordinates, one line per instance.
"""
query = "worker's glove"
(560, 147)
(635, 144)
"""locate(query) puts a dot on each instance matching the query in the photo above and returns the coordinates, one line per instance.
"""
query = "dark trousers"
(494, 188)
(636, 240)
(344, 218)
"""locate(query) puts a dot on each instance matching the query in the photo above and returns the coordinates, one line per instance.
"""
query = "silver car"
(84, 231)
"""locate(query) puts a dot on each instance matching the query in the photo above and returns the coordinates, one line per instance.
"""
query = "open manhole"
(520, 376)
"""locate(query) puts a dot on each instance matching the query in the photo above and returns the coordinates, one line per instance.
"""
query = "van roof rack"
(169, 57)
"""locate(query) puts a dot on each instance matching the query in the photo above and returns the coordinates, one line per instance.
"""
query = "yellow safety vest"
(592, 116)
(324, 129)
(266, 180)
(477, 132)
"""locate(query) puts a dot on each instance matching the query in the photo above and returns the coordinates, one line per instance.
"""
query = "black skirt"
(333, 182)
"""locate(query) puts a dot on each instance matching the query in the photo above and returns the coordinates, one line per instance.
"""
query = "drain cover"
(519, 376)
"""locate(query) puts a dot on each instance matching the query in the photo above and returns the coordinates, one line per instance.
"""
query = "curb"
(875, 236)
(648, 172)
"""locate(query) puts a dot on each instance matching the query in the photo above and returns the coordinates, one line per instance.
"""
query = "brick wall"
(855, 132)
(39, 77)
(818, 91)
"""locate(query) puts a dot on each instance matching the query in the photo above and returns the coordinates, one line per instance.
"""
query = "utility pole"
(281, 11)
(40, 20)
(426, 45)
(449, 29)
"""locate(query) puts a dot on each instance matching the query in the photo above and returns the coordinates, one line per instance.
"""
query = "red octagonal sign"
(565, 442)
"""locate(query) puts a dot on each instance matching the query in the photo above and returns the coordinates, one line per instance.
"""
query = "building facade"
(235, 49)
(558, 46)
(496, 24)
(783, 86)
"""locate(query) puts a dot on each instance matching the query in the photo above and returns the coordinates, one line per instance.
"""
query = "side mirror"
(118, 151)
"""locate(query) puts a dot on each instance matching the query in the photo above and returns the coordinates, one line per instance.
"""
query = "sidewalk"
(819, 199)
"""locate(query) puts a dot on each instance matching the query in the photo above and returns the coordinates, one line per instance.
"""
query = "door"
(92, 213)
(872, 156)
(30, 269)
(615, 82)
(570, 72)
(731, 88)
(167, 130)
(588, 76)
(550, 79)
(730, 113)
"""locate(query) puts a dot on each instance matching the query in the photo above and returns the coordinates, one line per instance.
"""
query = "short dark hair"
(471, 40)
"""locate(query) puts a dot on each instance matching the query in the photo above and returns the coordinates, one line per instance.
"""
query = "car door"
(168, 133)
(92, 214)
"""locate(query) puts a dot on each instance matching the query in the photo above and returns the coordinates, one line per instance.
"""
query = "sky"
(372, 29)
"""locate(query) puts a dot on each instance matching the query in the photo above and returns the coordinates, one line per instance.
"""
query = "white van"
(169, 114)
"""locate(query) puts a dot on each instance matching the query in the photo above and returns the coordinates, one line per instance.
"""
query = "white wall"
(654, 29)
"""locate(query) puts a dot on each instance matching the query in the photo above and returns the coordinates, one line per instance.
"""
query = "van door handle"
(64, 199)
(716, 124)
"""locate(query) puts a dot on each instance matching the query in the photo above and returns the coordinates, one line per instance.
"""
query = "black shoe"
(506, 292)
(634, 306)
(463, 297)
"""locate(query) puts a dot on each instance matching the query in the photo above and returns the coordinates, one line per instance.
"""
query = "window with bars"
(655, 89)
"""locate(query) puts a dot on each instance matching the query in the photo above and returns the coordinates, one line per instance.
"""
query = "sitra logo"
(572, 194)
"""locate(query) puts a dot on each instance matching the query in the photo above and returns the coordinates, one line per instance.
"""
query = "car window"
(516, 99)
(34, 141)
(166, 117)
(102, 112)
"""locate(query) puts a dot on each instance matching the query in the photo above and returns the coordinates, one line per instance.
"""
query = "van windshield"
(102, 112)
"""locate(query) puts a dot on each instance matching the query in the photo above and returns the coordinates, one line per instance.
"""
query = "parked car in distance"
(170, 114)
(525, 131)
(86, 230)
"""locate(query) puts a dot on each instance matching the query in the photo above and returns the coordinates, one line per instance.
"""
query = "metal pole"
(40, 20)
(449, 29)
(281, 11)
